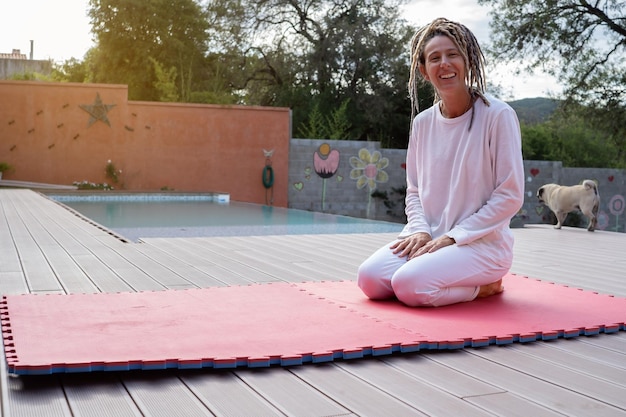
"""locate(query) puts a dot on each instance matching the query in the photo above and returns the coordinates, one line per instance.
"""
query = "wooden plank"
(581, 356)
(40, 277)
(291, 395)
(225, 394)
(101, 274)
(615, 341)
(443, 377)
(183, 267)
(13, 283)
(93, 395)
(415, 392)
(510, 405)
(162, 275)
(256, 256)
(358, 396)
(72, 278)
(521, 382)
(10, 260)
(161, 395)
(34, 397)
(599, 385)
(224, 267)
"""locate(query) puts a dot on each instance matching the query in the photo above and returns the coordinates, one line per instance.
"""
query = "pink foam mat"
(279, 324)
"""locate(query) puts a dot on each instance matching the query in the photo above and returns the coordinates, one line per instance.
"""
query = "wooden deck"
(46, 249)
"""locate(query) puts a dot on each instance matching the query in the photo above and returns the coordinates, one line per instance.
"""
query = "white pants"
(452, 274)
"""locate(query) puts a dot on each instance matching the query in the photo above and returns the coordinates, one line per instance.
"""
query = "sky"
(61, 30)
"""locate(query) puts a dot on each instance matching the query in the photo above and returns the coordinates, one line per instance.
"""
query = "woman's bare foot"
(490, 289)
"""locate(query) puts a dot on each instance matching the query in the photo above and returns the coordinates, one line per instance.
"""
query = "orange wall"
(46, 136)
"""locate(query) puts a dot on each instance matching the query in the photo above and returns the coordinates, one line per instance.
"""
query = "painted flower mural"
(368, 169)
(325, 163)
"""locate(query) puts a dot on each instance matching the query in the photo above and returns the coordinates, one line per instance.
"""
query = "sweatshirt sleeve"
(416, 219)
(507, 168)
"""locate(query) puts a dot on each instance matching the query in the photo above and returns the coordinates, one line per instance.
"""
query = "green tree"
(129, 34)
(71, 70)
(301, 54)
(581, 43)
(335, 126)
(569, 138)
(315, 128)
(165, 83)
(338, 122)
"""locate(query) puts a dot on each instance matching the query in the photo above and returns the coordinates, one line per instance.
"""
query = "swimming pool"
(141, 216)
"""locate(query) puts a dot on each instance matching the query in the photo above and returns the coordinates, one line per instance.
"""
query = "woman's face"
(443, 66)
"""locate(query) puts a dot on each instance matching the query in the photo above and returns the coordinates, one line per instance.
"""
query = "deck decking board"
(561, 373)
(420, 394)
(523, 383)
(613, 342)
(192, 269)
(162, 275)
(164, 397)
(72, 278)
(359, 396)
(12, 283)
(102, 276)
(443, 377)
(600, 363)
(27, 397)
(510, 405)
(577, 348)
(105, 392)
(223, 268)
(53, 250)
(291, 395)
(227, 395)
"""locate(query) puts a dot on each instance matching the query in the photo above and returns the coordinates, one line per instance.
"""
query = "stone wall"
(11, 67)
(341, 177)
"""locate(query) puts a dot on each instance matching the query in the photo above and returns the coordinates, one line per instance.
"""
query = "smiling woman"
(465, 181)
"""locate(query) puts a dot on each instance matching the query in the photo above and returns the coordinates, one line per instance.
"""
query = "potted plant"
(4, 166)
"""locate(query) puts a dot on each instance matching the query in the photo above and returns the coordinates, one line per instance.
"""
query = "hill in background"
(534, 110)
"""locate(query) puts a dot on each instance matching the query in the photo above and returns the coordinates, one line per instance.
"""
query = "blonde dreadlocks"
(467, 45)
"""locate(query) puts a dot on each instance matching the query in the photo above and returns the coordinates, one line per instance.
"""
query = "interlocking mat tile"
(279, 324)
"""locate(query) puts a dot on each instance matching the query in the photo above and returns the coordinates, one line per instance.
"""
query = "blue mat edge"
(266, 362)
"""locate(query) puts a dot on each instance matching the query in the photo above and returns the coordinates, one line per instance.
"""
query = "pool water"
(135, 219)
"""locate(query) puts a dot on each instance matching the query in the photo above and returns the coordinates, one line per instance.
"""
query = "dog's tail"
(591, 185)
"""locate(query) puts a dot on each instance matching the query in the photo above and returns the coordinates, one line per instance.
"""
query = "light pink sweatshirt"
(466, 185)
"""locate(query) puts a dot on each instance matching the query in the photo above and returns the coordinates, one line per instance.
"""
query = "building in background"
(17, 63)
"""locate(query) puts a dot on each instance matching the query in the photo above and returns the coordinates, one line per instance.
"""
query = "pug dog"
(562, 199)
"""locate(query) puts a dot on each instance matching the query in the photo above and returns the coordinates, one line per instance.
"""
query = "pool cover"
(280, 324)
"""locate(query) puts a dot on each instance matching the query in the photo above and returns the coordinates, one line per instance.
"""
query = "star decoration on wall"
(97, 110)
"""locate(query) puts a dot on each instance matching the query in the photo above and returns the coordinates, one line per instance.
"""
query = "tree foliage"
(569, 138)
(581, 43)
(131, 35)
(304, 54)
(336, 126)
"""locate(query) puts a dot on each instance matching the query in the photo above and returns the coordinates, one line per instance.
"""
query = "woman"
(465, 181)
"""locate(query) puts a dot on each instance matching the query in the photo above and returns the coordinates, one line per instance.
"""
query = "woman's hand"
(419, 244)
(410, 245)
